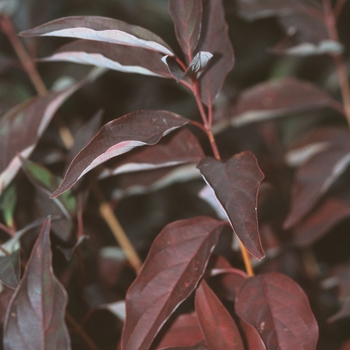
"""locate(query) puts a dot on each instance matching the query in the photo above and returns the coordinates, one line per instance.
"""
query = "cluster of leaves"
(187, 175)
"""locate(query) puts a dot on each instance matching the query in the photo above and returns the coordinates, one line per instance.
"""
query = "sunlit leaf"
(236, 184)
(279, 310)
(218, 326)
(101, 29)
(174, 265)
(125, 59)
(120, 136)
(35, 317)
(187, 18)
(214, 39)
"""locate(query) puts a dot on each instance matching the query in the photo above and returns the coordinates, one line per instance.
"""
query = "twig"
(118, 232)
(82, 334)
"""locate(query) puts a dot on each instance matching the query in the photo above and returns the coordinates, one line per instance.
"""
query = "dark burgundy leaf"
(101, 29)
(5, 297)
(196, 347)
(22, 127)
(180, 147)
(174, 265)
(187, 18)
(174, 69)
(214, 39)
(35, 317)
(315, 225)
(278, 98)
(218, 326)
(120, 136)
(313, 179)
(236, 185)
(105, 55)
(185, 331)
(252, 336)
(279, 310)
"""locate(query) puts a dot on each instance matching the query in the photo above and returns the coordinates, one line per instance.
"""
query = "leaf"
(236, 185)
(22, 127)
(214, 39)
(184, 331)
(101, 29)
(173, 67)
(198, 64)
(313, 179)
(315, 225)
(179, 147)
(279, 310)
(252, 337)
(187, 18)
(218, 326)
(8, 201)
(174, 265)
(120, 136)
(35, 317)
(125, 59)
(278, 98)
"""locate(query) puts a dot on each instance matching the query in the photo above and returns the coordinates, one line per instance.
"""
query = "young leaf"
(35, 317)
(313, 179)
(22, 127)
(174, 265)
(101, 29)
(125, 59)
(179, 147)
(198, 64)
(8, 201)
(218, 326)
(174, 68)
(279, 310)
(187, 18)
(236, 184)
(278, 98)
(214, 39)
(120, 136)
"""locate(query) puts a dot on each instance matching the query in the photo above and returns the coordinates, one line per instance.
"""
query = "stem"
(77, 329)
(246, 259)
(29, 67)
(338, 58)
(118, 232)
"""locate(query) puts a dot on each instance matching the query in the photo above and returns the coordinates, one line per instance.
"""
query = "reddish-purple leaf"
(279, 310)
(22, 127)
(101, 29)
(218, 326)
(313, 179)
(315, 225)
(174, 265)
(35, 317)
(236, 185)
(187, 18)
(117, 57)
(252, 336)
(214, 39)
(120, 136)
(278, 98)
(185, 331)
(178, 148)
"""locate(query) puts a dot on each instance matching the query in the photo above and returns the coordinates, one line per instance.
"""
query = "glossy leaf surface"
(218, 326)
(236, 184)
(35, 318)
(174, 265)
(101, 29)
(125, 59)
(279, 310)
(120, 136)
(22, 127)
(187, 18)
(214, 39)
